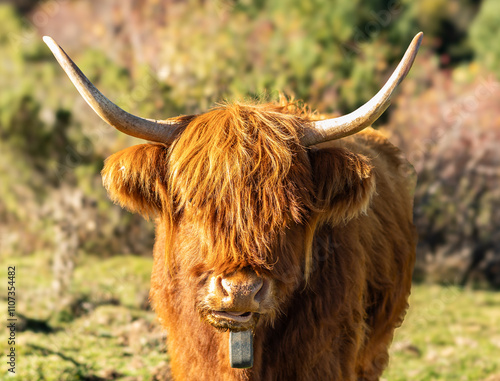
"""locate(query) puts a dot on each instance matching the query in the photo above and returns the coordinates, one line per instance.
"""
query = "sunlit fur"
(331, 226)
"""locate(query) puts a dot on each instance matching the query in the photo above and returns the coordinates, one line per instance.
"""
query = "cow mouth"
(239, 317)
(231, 320)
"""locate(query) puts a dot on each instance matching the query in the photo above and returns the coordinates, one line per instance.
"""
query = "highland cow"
(272, 222)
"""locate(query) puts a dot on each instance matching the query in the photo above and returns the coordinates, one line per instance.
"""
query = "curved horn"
(163, 131)
(336, 128)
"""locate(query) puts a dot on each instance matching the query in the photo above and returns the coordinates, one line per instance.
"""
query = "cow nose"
(242, 290)
(242, 287)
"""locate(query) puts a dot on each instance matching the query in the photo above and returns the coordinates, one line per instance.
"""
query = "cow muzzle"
(235, 301)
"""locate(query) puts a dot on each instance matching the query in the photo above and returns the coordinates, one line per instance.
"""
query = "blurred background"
(83, 263)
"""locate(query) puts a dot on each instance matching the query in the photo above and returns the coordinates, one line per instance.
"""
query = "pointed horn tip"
(48, 40)
(418, 38)
(51, 43)
(344, 129)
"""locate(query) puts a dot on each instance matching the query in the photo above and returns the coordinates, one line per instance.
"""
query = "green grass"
(105, 331)
(448, 334)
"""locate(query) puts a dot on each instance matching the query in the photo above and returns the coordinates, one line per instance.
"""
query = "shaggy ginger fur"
(331, 226)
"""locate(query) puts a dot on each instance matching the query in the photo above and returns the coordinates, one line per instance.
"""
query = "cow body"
(335, 312)
(271, 221)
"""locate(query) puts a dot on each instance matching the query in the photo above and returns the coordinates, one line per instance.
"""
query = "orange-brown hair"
(243, 172)
(239, 169)
(242, 191)
(241, 176)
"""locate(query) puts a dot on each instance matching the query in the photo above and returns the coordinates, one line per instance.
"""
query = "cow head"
(237, 194)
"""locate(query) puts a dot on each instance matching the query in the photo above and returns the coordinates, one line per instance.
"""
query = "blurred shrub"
(196, 54)
(317, 50)
(445, 24)
(484, 34)
(451, 133)
(49, 172)
(332, 54)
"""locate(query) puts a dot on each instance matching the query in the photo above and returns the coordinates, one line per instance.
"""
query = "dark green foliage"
(484, 33)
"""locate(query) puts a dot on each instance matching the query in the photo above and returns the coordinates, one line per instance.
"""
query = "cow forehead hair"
(243, 177)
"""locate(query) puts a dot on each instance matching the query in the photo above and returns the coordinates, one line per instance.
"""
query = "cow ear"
(345, 183)
(135, 178)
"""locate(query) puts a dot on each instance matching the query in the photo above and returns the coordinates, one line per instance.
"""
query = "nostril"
(263, 290)
(256, 286)
(223, 286)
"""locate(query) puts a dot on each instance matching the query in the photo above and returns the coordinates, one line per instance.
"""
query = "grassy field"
(449, 334)
(106, 330)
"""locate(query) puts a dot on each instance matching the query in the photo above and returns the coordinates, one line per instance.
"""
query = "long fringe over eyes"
(239, 178)
(239, 173)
